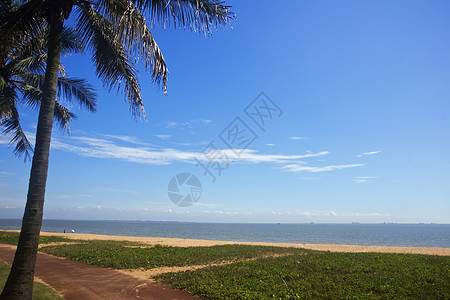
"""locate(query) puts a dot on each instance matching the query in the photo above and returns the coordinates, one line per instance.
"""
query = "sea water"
(409, 235)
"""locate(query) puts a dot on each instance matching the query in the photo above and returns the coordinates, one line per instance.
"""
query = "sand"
(192, 243)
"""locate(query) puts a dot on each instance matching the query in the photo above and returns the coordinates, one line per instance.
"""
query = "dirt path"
(151, 273)
(75, 280)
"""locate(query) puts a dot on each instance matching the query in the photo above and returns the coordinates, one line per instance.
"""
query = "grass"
(40, 291)
(12, 238)
(321, 275)
(300, 274)
(119, 255)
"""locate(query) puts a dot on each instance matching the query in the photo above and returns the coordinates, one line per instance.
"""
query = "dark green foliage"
(321, 275)
(12, 238)
(117, 255)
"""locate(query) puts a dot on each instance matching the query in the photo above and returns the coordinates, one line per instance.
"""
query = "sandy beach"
(193, 243)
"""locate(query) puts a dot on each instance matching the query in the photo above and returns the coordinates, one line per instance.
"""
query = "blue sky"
(362, 132)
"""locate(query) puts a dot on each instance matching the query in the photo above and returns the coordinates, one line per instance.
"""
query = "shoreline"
(177, 242)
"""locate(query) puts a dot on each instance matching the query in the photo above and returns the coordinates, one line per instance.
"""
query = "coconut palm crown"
(115, 33)
(22, 65)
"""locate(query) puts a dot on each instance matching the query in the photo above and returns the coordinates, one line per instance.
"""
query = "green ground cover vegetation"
(40, 291)
(321, 275)
(290, 274)
(12, 238)
(117, 255)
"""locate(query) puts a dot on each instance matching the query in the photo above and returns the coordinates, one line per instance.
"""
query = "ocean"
(406, 235)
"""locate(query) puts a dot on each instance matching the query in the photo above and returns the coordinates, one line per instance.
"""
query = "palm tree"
(114, 31)
(22, 63)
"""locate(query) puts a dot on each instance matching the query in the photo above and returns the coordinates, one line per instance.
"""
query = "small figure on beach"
(64, 230)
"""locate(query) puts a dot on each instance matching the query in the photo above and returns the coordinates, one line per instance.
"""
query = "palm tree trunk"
(20, 281)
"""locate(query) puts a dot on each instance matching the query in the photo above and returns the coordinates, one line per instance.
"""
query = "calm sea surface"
(419, 235)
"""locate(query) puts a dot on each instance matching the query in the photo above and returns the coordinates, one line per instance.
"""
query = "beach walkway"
(74, 280)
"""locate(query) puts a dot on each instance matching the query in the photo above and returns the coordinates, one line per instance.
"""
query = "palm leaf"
(18, 140)
(78, 89)
(132, 29)
(197, 15)
(110, 57)
(63, 116)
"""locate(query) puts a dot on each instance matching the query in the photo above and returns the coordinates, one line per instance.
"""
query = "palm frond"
(110, 57)
(8, 100)
(78, 89)
(24, 77)
(197, 15)
(31, 96)
(18, 140)
(25, 18)
(71, 41)
(132, 29)
(63, 116)
(35, 63)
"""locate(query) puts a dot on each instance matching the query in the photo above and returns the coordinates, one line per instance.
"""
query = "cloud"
(4, 140)
(270, 145)
(302, 168)
(111, 149)
(7, 173)
(357, 214)
(209, 205)
(127, 139)
(363, 179)
(114, 190)
(249, 155)
(297, 138)
(163, 136)
(205, 122)
(368, 153)
(130, 149)
(188, 124)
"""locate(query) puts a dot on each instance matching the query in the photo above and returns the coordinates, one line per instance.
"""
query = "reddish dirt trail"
(76, 281)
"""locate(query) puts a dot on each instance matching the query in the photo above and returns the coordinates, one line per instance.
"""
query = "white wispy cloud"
(363, 179)
(111, 148)
(127, 139)
(163, 136)
(206, 122)
(297, 138)
(270, 145)
(131, 149)
(4, 139)
(330, 213)
(249, 155)
(303, 168)
(188, 124)
(357, 214)
(368, 153)
(7, 173)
